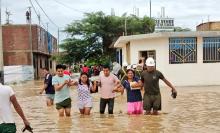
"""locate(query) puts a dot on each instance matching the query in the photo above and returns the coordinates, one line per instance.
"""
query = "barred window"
(211, 49)
(182, 50)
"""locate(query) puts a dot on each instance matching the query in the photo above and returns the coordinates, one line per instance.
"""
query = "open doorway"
(148, 53)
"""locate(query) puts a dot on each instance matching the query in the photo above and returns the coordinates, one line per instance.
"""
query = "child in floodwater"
(84, 97)
(134, 99)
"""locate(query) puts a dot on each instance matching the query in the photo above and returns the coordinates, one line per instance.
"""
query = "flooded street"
(196, 110)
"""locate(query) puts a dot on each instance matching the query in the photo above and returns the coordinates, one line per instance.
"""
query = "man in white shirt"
(7, 123)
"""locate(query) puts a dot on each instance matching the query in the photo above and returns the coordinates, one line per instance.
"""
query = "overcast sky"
(186, 13)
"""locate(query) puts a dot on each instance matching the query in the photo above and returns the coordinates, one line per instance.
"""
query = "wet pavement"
(196, 110)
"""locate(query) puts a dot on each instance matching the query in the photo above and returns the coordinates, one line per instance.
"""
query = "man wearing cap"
(152, 96)
(7, 97)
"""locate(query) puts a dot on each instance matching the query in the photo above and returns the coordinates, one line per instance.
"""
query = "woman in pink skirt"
(134, 99)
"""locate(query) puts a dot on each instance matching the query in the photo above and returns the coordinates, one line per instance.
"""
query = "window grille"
(182, 50)
(211, 49)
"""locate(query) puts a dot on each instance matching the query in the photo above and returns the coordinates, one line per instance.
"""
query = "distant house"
(27, 49)
(186, 58)
(209, 26)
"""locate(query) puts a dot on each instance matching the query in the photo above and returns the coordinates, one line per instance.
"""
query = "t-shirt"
(107, 85)
(64, 93)
(84, 92)
(6, 115)
(132, 95)
(151, 81)
(48, 81)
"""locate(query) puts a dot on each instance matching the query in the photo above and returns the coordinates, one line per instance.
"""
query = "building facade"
(27, 47)
(185, 58)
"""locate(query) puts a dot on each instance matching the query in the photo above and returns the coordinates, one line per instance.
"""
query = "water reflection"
(64, 125)
(196, 109)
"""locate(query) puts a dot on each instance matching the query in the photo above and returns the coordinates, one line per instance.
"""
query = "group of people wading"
(133, 79)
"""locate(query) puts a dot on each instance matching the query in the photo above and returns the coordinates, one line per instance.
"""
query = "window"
(182, 50)
(211, 49)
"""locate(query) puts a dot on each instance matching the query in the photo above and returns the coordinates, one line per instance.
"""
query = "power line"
(46, 14)
(68, 6)
(38, 15)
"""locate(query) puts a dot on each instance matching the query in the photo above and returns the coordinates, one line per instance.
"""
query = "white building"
(185, 58)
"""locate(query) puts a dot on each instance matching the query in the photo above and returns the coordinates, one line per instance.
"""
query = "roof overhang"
(125, 39)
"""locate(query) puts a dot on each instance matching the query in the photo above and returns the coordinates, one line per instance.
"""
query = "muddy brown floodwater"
(196, 110)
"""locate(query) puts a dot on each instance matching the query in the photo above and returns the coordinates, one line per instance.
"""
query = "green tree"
(91, 37)
(180, 29)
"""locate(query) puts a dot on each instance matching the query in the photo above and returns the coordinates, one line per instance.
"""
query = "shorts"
(84, 104)
(152, 101)
(50, 96)
(64, 104)
(135, 107)
(7, 128)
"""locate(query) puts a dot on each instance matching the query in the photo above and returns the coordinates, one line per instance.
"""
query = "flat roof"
(122, 40)
(27, 25)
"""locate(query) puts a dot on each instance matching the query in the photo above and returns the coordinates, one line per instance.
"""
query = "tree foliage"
(180, 29)
(90, 38)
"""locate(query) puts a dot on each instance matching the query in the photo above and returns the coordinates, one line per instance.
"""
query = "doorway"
(148, 53)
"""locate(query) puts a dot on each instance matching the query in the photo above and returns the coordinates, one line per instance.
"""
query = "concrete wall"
(17, 58)
(189, 74)
(18, 73)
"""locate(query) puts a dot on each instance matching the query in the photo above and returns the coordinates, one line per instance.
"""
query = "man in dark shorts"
(62, 85)
(152, 96)
(48, 87)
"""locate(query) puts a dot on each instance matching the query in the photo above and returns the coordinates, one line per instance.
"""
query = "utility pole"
(150, 8)
(208, 17)
(47, 26)
(1, 48)
(38, 16)
(125, 26)
(30, 39)
(58, 41)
